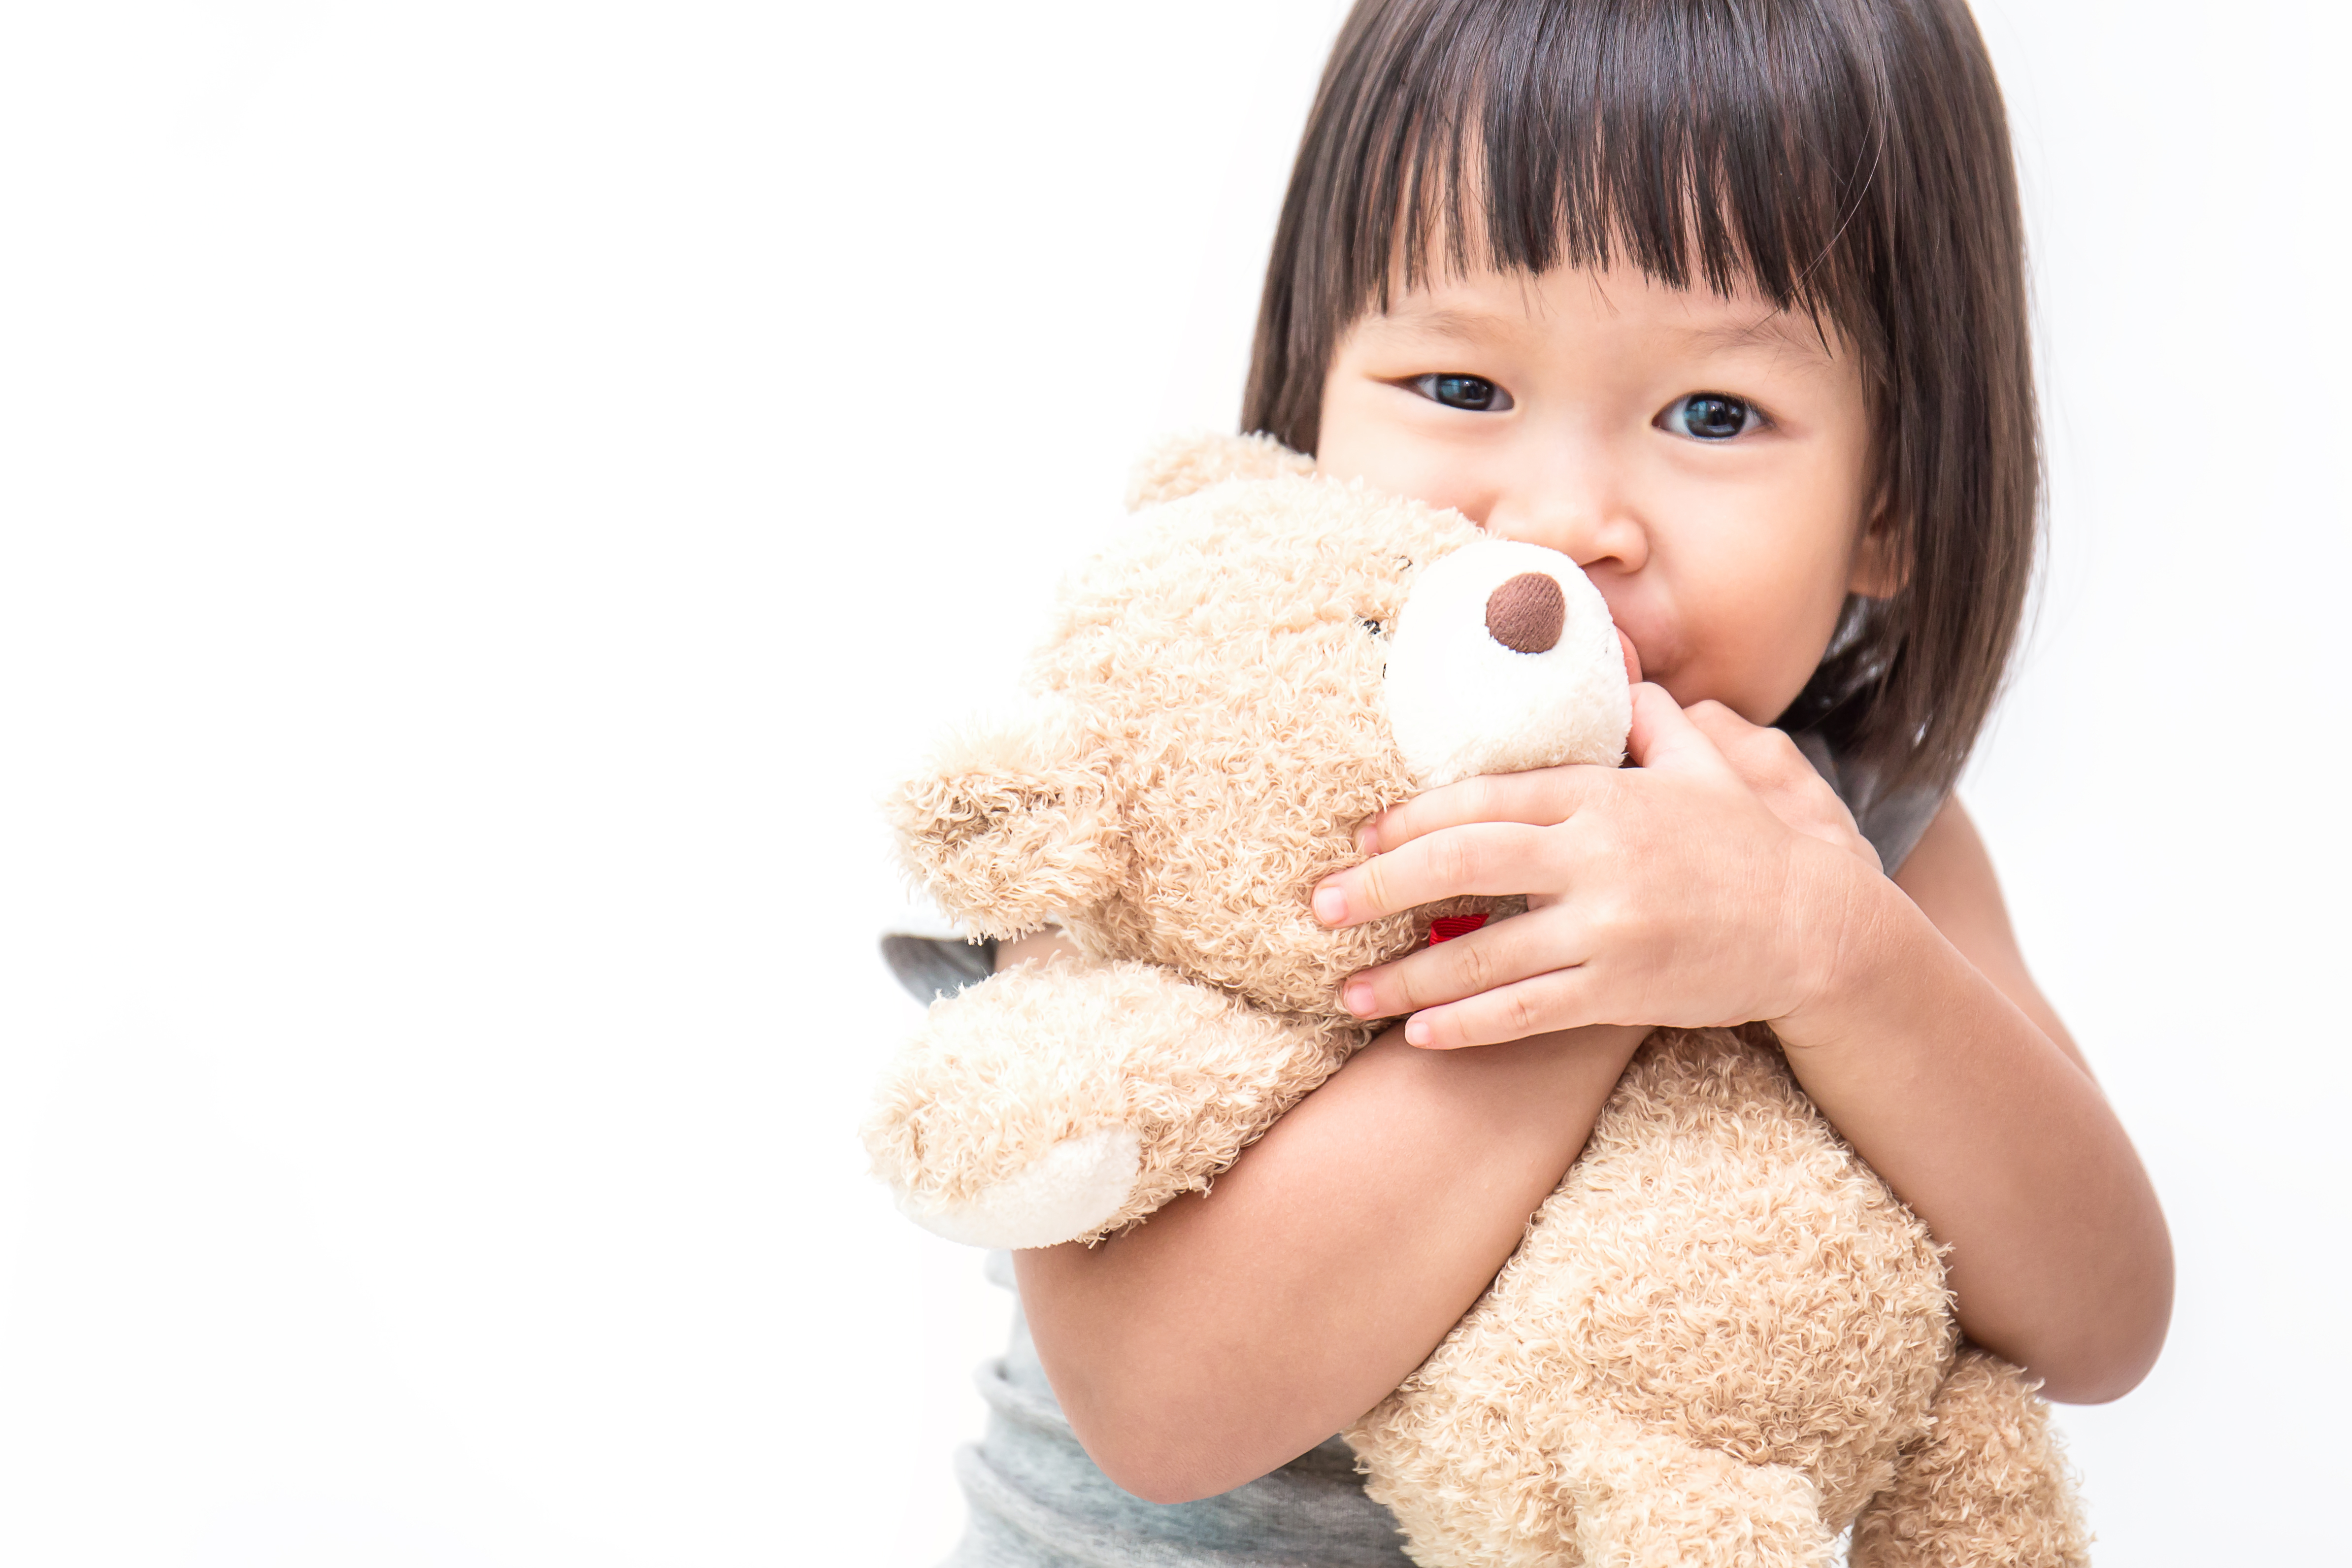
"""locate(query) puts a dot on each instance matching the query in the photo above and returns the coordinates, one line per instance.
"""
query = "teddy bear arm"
(1065, 1100)
(1986, 1487)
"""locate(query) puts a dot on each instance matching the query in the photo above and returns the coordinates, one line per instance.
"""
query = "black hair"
(1849, 159)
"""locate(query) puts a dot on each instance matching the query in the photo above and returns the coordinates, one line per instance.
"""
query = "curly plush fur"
(1195, 1074)
(1713, 1346)
(1721, 1340)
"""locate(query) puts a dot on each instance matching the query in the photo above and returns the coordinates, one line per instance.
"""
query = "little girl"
(1726, 300)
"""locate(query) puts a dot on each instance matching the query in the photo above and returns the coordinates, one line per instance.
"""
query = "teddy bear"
(1721, 1340)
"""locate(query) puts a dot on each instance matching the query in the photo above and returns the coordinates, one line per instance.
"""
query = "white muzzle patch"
(1491, 671)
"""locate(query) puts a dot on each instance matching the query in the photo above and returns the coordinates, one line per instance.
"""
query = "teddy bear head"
(1261, 660)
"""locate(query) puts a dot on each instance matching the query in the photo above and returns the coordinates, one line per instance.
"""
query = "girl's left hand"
(1715, 882)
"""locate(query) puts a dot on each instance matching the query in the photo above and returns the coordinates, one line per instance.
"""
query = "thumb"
(1663, 737)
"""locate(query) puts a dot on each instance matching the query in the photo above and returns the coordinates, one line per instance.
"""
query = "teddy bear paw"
(1072, 1191)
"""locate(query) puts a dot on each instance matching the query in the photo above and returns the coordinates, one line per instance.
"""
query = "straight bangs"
(1847, 159)
(1688, 140)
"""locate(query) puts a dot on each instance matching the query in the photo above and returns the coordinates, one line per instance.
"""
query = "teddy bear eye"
(1377, 628)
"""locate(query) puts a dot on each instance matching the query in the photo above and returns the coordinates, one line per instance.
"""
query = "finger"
(1721, 725)
(1562, 999)
(1489, 857)
(1769, 763)
(1542, 797)
(1764, 758)
(1663, 737)
(1504, 951)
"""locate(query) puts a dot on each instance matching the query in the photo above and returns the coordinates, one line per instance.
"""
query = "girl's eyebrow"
(1448, 322)
(1776, 330)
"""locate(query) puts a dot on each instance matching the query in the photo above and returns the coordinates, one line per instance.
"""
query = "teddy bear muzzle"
(1503, 658)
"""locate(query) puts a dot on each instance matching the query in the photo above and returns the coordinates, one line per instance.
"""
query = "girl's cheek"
(1419, 469)
(1725, 614)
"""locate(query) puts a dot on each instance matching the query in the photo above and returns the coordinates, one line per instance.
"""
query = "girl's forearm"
(2059, 1257)
(1234, 1330)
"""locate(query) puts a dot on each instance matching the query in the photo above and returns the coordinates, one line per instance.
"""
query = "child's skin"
(1720, 881)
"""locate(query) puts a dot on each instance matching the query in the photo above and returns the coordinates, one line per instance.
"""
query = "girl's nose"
(1582, 515)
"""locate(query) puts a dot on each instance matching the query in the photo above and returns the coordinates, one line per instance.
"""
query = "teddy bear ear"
(1011, 827)
(1182, 464)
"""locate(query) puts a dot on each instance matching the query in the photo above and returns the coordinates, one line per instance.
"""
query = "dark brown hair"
(1846, 158)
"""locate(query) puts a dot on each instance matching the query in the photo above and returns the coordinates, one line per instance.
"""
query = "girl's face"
(1705, 459)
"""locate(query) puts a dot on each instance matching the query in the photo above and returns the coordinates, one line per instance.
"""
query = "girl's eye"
(1711, 417)
(1473, 392)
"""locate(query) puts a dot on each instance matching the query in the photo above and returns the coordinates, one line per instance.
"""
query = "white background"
(491, 492)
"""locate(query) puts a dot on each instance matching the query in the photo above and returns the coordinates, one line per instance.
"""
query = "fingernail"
(1330, 905)
(1356, 997)
(1368, 837)
(1416, 1030)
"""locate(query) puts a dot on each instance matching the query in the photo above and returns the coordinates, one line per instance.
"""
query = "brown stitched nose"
(1526, 613)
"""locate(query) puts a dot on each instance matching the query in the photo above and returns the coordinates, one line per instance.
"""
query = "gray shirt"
(1037, 1502)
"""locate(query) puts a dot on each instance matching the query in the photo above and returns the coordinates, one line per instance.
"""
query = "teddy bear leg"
(1986, 1488)
(1063, 1100)
(1651, 1500)
(1473, 1486)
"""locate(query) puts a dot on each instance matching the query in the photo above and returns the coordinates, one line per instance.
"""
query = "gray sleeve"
(931, 967)
(1893, 823)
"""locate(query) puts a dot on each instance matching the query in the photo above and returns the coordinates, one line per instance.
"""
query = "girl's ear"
(1882, 563)
(1012, 825)
(1183, 464)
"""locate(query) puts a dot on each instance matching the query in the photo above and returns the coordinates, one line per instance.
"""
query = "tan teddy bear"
(1721, 1341)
